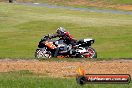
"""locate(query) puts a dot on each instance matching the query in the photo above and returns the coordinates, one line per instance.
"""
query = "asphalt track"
(78, 9)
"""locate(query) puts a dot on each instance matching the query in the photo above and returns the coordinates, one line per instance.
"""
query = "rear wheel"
(91, 53)
(42, 53)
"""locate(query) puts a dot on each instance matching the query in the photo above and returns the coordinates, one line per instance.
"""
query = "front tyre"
(42, 53)
(91, 53)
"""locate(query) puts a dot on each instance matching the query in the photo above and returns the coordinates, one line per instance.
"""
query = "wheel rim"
(90, 53)
(43, 54)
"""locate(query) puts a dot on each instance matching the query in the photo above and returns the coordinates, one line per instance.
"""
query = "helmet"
(60, 30)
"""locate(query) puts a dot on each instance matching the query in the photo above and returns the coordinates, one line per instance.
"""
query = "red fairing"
(68, 34)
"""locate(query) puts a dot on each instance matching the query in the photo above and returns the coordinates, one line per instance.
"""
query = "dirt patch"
(99, 4)
(125, 7)
(86, 3)
(64, 69)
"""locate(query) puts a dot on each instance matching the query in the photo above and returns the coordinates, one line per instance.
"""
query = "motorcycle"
(48, 48)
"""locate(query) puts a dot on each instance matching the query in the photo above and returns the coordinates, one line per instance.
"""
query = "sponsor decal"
(83, 78)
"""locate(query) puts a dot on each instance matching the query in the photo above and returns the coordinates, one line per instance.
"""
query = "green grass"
(21, 28)
(26, 79)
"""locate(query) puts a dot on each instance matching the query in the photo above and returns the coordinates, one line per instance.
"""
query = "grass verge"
(26, 79)
(21, 28)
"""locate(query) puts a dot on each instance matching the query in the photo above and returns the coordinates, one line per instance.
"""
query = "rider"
(64, 35)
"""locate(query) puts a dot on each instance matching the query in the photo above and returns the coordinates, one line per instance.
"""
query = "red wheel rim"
(90, 53)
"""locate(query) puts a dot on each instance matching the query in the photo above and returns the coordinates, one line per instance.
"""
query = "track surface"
(78, 9)
(67, 69)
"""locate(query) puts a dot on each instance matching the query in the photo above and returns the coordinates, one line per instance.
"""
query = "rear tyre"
(42, 53)
(91, 53)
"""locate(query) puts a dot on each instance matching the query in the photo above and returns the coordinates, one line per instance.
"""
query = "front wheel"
(91, 53)
(42, 53)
